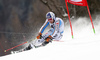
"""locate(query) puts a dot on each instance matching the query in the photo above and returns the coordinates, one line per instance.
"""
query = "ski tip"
(58, 41)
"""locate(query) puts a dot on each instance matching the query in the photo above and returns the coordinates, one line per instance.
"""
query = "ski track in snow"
(84, 46)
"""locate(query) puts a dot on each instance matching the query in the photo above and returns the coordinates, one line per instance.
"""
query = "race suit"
(56, 31)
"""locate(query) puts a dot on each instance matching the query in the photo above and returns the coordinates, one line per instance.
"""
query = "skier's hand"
(49, 38)
(39, 36)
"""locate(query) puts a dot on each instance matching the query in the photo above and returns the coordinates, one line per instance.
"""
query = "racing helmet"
(50, 15)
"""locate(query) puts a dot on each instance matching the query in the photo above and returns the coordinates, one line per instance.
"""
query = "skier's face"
(50, 20)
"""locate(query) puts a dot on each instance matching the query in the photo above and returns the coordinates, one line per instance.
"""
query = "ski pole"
(15, 47)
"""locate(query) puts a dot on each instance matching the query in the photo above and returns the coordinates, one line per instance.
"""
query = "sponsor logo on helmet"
(48, 16)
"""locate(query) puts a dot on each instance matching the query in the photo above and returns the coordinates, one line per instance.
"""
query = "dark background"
(19, 18)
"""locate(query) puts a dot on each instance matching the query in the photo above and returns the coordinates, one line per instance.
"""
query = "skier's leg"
(58, 37)
(46, 36)
(48, 33)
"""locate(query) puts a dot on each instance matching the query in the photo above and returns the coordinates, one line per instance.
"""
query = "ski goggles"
(49, 19)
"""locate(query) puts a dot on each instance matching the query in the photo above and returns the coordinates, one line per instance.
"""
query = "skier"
(55, 33)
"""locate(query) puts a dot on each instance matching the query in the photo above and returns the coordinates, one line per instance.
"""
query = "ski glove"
(39, 36)
(49, 38)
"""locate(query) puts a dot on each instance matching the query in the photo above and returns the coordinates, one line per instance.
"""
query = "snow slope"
(84, 46)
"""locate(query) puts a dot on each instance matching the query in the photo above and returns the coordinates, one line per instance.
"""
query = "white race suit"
(56, 31)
